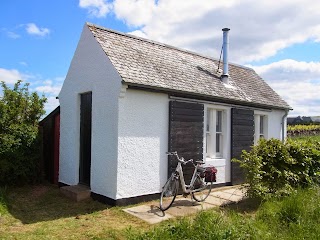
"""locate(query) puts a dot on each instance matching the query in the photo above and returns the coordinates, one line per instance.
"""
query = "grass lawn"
(41, 212)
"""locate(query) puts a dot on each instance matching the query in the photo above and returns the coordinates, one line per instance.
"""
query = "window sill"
(217, 162)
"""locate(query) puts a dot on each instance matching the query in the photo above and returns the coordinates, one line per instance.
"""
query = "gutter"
(283, 126)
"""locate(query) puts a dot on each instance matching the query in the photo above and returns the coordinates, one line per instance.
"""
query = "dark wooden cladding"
(85, 138)
(185, 134)
(49, 135)
(242, 137)
(186, 105)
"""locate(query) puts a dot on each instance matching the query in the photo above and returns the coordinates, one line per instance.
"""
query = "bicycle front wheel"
(169, 193)
(202, 190)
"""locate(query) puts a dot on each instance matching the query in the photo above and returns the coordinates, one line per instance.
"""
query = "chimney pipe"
(225, 73)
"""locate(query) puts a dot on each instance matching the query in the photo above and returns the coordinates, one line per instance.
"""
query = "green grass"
(41, 212)
(294, 217)
(303, 138)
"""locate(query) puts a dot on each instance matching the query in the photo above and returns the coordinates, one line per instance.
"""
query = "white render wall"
(142, 143)
(90, 70)
(274, 126)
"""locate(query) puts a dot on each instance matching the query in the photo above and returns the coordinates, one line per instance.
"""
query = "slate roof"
(145, 63)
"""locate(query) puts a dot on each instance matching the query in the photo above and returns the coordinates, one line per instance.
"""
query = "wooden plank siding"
(50, 131)
(242, 137)
(186, 122)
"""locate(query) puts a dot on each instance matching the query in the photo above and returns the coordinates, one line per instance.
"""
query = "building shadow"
(32, 204)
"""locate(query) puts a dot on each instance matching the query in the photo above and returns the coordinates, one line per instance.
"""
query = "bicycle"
(199, 187)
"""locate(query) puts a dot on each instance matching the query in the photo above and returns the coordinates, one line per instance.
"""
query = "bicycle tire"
(169, 193)
(200, 194)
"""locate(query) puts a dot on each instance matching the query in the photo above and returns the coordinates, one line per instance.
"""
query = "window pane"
(207, 143)
(218, 142)
(219, 121)
(261, 125)
(208, 120)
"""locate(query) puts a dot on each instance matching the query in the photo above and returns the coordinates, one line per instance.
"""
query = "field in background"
(303, 130)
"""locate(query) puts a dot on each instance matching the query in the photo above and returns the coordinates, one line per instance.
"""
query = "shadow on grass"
(31, 204)
(245, 206)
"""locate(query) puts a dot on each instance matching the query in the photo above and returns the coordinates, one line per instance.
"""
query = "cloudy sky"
(279, 39)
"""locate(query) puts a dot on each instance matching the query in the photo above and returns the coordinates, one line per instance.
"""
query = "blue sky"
(279, 39)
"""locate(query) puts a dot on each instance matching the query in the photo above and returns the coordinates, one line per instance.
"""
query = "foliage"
(20, 112)
(276, 169)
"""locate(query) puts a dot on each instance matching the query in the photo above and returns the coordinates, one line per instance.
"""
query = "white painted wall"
(142, 143)
(274, 126)
(90, 70)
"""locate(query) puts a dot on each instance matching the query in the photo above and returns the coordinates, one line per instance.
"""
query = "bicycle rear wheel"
(202, 190)
(169, 193)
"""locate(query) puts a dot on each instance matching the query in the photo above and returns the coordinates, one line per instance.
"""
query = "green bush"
(276, 169)
(20, 112)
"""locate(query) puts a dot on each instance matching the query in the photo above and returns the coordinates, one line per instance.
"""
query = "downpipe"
(283, 125)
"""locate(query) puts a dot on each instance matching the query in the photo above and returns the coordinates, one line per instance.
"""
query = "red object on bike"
(210, 174)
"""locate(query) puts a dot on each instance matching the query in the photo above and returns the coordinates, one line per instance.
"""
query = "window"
(214, 133)
(260, 129)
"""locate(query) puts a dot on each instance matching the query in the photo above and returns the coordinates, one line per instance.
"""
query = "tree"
(20, 112)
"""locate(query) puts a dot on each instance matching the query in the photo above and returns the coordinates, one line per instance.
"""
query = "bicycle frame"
(182, 181)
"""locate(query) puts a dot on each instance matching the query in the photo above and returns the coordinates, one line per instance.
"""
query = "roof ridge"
(163, 44)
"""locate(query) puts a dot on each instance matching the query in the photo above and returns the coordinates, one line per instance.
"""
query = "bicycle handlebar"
(180, 159)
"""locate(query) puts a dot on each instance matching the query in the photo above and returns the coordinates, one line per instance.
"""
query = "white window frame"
(258, 132)
(210, 135)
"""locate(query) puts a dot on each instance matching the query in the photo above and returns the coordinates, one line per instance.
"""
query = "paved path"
(151, 213)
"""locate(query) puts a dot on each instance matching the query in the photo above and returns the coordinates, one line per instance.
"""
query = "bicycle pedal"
(185, 195)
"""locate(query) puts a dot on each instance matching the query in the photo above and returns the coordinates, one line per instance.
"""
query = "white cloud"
(96, 8)
(259, 29)
(296, 82)
(11, 76)
(143, 11)
(289, 70)
(13, 35)
(33, 29)
(49, 88)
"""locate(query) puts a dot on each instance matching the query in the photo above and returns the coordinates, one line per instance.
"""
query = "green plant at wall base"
(20, 112)
(276, 169)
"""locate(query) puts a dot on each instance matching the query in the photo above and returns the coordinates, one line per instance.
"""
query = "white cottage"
(126, 101)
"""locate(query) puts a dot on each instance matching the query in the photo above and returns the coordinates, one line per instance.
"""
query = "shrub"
(276, 169)
(20, 112)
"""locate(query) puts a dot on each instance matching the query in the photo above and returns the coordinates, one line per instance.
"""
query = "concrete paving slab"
(216, 201)
(149, 213)
(185, 206)
(236, 191)
(220, 194)
(227, 196)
